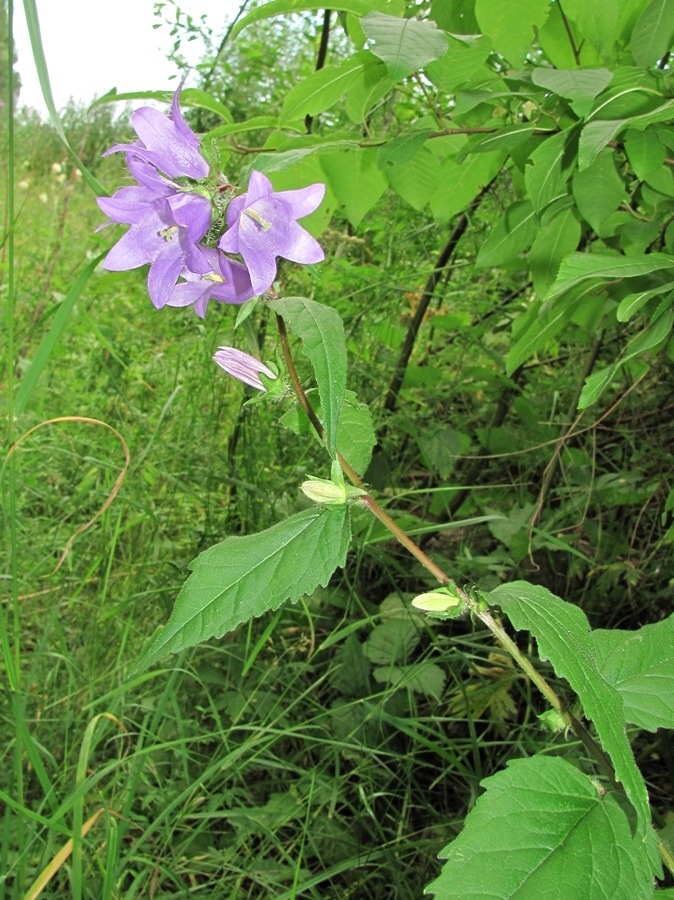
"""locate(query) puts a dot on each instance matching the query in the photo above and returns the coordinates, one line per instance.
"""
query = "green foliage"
(543, 829)
(243, 577)
(322, 334)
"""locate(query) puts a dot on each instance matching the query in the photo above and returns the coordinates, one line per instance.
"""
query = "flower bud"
(441, 604)
(320, 490)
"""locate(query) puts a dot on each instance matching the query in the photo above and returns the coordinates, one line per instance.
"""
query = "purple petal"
(304, 201)
(192, 211)
(242, 366)
(163, 275)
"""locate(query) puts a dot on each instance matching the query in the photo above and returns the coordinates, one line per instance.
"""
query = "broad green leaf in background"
(655, 334)
(405, 45)
(392, 641)
(542, 829)
(244, 577)
(417, 180)
(465, 55)
(549, 167)
(562, 633)
(514, 233)
(460, 183)
(597, 22)
(371, 84)
(594, 137)
(558, 236)
(580, 86)
(640, 665)
(511, 24)
(423, 677)
(402, 149)
(322, 89)
(508, 138)
(537, 333)
(257, 123)
(581, 267)
(355, 179)
(653, 33)
(597, 133)
(553, 39)
(457, 17)
(355, 433)
(598, 190)
(645, 152)
(321, 331)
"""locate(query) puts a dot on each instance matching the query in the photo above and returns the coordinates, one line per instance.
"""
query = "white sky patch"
(92, 47)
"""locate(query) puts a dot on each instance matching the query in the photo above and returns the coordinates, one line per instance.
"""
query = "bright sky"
(92, 46)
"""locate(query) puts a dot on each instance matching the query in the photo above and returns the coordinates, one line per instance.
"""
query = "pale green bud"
(320, 490)
(441, 604)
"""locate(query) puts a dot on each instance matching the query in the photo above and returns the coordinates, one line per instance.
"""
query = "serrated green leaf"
(323, 343)
(405, 45)
(653, 33)
(513, 234)
(244, 577)
(392, 642)
(581, 267)
(355, 433)
(542, 829)
(640, 665)
(562, 633)
(631, 304)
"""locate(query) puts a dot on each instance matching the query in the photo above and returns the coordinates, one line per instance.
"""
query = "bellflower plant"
(176, 212)
(262, 225)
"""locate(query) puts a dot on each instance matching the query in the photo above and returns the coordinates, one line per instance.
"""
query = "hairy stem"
(485, 617)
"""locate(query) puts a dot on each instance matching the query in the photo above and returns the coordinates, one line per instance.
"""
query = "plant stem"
(484, 616)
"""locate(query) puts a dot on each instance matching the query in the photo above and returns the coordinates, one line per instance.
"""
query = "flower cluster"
(175, 214)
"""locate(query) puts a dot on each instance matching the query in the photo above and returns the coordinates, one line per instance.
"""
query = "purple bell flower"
(166, 142)
(242, 366)
(262, 226)
(225, 280)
